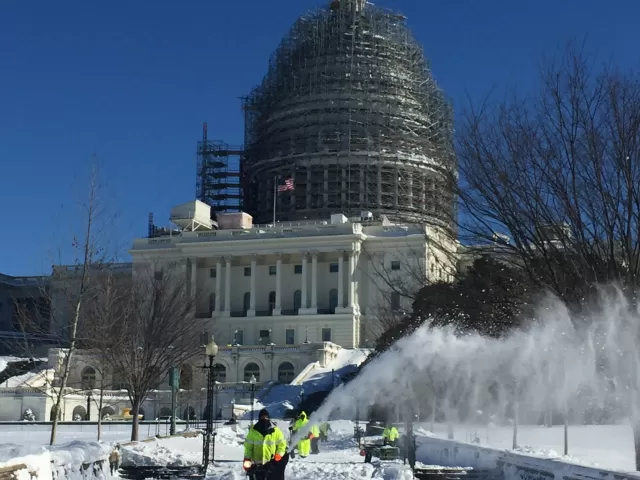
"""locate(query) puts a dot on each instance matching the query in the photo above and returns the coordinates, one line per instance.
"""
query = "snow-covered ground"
(339, 458)
(608, 447)
(35, 435)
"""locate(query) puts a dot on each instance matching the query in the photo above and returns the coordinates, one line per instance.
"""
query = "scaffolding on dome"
(349, 109)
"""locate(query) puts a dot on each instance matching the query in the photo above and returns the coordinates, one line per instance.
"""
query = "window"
(395, 265)
(333, 299)
(238, 337)
(326, 334)
(297, 300)
(186, 377)
(247, 271)
(272, 270)
(246, 305)
(290, 336)
(297, 269)
(265, 337)
(219, 373)
(157, 275)
(272, 301)
(88, 378)
(333, 268)
(395, 301)
(250, 370)
(212, 303)
(286, 372)
(212, 273)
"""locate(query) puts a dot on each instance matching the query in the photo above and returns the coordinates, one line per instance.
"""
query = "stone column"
(303, 293)
(227, 285)
(218, 285)
(252, 300)
(351, 287)
(314, 281)
(341, 279)
(278, 309)
(192, 291)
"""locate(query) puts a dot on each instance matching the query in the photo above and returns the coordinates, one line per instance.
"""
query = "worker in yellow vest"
(265, 449)
(390, 434)
(304, 444)
(314, 436)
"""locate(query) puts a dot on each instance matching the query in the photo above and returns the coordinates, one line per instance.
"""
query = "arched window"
(333, 299)
(272, 302)
(186, 377)
(107, 412)
(212, 303)
(251, 369)
(219, 373)
(286, 372)
(297, 300)
(88, 378)
(165, 412)
(79, 413)
(247, 302)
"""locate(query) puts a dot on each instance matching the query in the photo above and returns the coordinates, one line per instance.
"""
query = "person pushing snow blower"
(265, 450)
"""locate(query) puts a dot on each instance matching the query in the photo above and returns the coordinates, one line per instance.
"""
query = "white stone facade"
(89, 379)
(316, 281)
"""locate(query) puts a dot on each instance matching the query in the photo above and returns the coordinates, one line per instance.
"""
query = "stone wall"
(448, 453)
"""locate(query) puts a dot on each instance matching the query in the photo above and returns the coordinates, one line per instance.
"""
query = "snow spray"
(558, 363)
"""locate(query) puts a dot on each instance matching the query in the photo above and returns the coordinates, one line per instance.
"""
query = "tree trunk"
(100, 413)
(515, 426)
(636, 442)
(433, 415)
(56, 415)
(135, 421)
(566, 433)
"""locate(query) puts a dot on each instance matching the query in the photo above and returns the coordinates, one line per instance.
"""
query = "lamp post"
(88, 416)
(209, 438)
(252, 381)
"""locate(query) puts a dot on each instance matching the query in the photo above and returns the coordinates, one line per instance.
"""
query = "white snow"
(58, 461)
(603, 446)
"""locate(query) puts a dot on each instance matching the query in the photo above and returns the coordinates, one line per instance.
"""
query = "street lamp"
(252, 381)
(209, 439)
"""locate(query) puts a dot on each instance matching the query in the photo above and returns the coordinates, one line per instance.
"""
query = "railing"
(265, 313)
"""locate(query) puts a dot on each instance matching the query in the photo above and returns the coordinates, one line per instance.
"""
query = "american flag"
(285, 185)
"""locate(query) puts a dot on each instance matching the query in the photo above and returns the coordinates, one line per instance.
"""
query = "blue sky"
(133, 82)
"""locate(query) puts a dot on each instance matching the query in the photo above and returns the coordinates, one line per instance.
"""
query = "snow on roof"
(38, 377)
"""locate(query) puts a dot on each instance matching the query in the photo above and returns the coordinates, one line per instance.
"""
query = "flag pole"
(275, 187)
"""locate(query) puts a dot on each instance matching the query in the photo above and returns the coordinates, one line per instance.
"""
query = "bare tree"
(60, 314)
(156, 331)
(558, 172)
(106, 308)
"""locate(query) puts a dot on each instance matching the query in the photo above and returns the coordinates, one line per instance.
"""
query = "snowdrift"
(71, 461)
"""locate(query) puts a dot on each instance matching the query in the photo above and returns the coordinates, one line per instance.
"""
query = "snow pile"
(57, 461)
(229, 436)
(162, 453)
